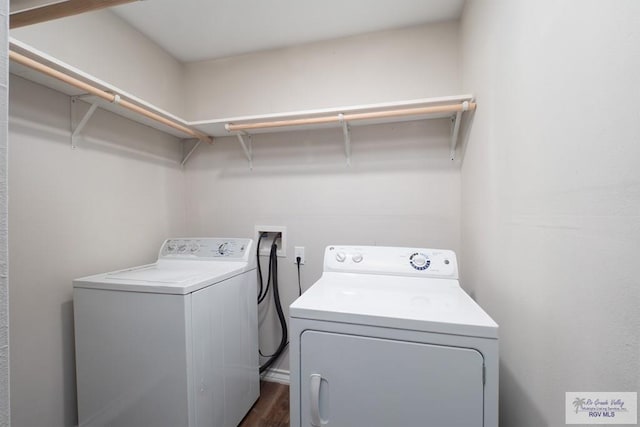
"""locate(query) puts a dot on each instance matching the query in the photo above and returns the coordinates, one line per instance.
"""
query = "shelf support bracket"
(455, 121)
(247, 147)
(76, 129)
(346, 132)
(190, 152)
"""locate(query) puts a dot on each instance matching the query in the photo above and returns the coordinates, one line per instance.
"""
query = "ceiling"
(194, 30)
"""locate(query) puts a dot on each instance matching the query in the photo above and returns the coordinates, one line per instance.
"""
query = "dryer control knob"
(182, 248)
(419, 261)
(341, 256)
(357, 258)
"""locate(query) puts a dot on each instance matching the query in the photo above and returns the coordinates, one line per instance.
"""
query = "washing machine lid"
(412, 303)
(165, 276)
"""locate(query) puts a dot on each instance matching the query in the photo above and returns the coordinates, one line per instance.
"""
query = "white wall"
(551, 196)
(4, 256)
(415, 62)
(107, 204)
(402, 188)
(102, 44)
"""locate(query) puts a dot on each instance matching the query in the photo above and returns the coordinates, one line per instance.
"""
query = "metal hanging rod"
(107, 96)
(345, 118)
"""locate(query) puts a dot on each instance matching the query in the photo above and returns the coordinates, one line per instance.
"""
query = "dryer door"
(349, 380)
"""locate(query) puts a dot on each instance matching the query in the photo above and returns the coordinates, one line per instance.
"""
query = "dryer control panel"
(206, 248)
(419, 262)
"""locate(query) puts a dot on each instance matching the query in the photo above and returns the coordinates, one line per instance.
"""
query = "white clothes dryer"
(173, 343)
(387, 337)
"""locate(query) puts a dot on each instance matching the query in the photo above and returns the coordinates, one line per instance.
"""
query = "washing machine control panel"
(420, 262)
(206, 248)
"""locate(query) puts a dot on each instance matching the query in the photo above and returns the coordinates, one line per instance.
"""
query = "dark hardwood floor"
(272, 409)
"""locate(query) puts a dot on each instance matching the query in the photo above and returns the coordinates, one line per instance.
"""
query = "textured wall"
(551, 196)
(106, 205)
(415, 62)
(102, 44)
(4, 254)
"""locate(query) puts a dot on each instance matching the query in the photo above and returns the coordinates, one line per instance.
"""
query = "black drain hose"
(273, 274)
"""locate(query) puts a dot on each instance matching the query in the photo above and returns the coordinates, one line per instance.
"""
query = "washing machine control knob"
(357, 257)
(223, 249)
(194, 248)
(171, 246)
(419, 261)
(341, 256)
(182, 248)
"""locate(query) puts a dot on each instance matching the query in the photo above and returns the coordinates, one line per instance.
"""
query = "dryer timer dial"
(419, 261)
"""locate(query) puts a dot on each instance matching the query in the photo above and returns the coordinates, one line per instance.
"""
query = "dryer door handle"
(314, 400)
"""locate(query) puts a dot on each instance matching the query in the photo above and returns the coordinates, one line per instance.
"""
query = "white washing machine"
(387, 337)
(170, 344)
